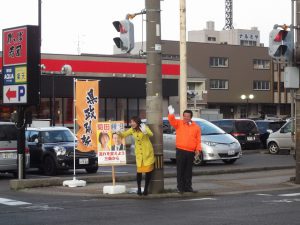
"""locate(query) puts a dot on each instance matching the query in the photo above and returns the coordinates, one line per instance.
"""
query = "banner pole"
(74, 122)
(113, 175)
(74, 182)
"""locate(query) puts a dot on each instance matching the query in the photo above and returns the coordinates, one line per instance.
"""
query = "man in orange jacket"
(188, 144)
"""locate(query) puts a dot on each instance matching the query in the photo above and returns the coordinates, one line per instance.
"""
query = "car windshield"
(246, 126)
(262, 126)
(55, 136)
(208, 128)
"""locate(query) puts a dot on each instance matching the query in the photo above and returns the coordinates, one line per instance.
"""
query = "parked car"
(8, 149)
(216, 144)
(266, 127)
(281, 139)
(244, 130)
(52, 149)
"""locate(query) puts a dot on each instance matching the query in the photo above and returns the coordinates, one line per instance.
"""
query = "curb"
(18, 184)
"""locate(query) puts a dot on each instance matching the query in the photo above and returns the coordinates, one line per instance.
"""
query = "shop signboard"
(20, 80)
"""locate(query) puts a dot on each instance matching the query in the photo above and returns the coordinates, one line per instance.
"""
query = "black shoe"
(139, 192)
(189, 190)
(180, 191)
(145, 193)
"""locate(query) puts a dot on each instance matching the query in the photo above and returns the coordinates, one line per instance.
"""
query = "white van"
(8, 149)
(281, 139)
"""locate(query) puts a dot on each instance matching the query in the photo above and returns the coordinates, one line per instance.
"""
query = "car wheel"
(229, 161)
(273, 148)
(198, 161)
(173, 160)
(15, 174)
(49, 167)
(92, 170)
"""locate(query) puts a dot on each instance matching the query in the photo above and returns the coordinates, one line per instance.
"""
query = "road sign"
(15, 93)
(20, 80)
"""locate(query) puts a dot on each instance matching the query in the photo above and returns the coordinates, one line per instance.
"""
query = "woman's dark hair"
(137, 120)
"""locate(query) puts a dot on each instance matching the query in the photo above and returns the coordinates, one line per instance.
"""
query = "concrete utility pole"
(154, 91)
(183, 60)
(297, 117)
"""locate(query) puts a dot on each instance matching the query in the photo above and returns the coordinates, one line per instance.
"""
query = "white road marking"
(197, 199)
(109, 171)
(10, 202)
(42, 207)
(264, 194)
(280, 201)
(290, 195)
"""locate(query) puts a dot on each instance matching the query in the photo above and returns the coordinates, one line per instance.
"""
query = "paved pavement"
(204, 185)
(206, 181)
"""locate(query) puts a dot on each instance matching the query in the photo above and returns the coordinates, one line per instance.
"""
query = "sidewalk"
(204, 185)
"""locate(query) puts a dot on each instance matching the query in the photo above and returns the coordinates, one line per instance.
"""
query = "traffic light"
(126, 40)
(281, 44)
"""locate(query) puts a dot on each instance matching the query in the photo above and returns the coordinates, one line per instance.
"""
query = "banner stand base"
(114, 189)
(74, 183)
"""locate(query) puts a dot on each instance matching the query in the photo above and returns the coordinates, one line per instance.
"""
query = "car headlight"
(60, 150)
(210, 143)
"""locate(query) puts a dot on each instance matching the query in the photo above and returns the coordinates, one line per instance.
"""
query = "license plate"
(250, 138)
(84, 161)
(8, 155)
(231, 152)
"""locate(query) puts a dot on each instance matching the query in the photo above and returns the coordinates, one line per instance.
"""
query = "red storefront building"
(122, 86)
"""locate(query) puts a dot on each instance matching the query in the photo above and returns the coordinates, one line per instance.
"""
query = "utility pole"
(297, 116)
(183, 60)
(154, 91)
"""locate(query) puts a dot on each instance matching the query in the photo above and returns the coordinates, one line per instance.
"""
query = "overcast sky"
(67, 24)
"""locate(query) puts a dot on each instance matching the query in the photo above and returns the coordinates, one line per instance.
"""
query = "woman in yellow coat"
(144, 153)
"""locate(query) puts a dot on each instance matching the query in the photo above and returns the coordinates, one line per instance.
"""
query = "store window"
(142, 109)
(132, 107)
(121, 109)
(111, 109)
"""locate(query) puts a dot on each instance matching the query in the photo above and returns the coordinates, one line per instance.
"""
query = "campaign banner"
(87, 108)
(111, 147)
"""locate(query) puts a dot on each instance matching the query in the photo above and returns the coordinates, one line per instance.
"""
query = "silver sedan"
(216, 143)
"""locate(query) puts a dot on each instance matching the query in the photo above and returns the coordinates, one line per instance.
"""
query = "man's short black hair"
(188, 111)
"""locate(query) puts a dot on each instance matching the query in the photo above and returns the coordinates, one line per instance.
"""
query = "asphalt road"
(276, 208)
(250, 159)
(253, 207)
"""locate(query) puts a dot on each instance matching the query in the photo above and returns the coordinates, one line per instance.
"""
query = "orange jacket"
(188, 137)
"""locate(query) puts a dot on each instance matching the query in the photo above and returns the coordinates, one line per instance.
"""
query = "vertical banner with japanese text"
(111, 147)
(87, 108)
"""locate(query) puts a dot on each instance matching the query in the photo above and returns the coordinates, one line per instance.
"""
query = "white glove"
(118, 130)
(143, 128)
(171, 109)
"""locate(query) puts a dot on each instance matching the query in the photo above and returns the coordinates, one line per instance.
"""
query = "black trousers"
(184, 161)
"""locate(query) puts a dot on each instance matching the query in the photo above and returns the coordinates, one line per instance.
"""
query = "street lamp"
(247, 98)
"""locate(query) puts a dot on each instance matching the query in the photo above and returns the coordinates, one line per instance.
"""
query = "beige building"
(242, 37)
(221, 74)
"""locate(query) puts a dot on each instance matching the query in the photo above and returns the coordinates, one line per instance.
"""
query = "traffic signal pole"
(154, 96)
(297, 116)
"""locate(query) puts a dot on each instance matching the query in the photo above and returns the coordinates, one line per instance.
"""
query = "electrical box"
(291, 77)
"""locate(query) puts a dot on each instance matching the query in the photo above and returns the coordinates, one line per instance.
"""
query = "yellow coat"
(143, 147)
